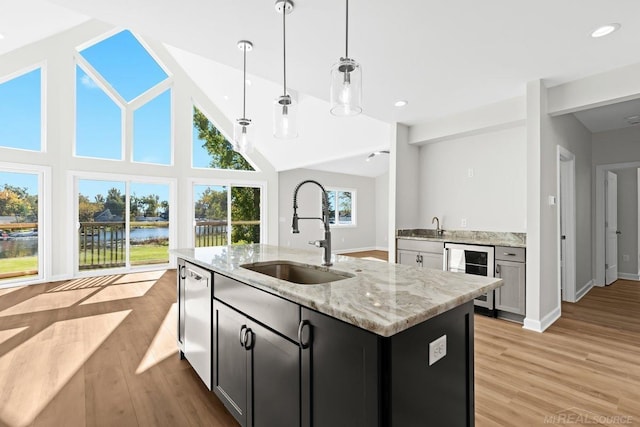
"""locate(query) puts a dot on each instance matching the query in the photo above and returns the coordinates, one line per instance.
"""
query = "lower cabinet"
(510, 299)
(256, 371)
(339, 374)
(420, 253)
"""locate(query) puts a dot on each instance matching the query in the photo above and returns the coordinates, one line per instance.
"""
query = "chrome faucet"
(326, 242)
(438, 229)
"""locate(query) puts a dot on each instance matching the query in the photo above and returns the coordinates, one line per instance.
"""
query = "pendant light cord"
(346, 43)
(284, 48)
(244, 81)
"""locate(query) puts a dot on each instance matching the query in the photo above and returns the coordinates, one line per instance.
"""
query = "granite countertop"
(382, 298)
(490, 238)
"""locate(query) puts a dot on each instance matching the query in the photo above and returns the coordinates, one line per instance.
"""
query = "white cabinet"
(420, 253)
(510, 297)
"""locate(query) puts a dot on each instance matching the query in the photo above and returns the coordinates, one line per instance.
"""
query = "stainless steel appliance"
(197, 321)
(472, 259)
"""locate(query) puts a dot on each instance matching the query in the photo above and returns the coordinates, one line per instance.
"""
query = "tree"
(115, 202)
(87, 209)
(18, 202)
(220, 150)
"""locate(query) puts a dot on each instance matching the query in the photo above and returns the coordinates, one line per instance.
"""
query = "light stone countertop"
(490, 238)
(382, 298)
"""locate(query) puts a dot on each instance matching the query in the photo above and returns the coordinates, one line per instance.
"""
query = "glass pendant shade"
(346, 88)
(285, 118)
(243, 136)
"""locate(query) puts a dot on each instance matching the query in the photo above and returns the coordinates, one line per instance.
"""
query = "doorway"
(566, 225)
(619, 233)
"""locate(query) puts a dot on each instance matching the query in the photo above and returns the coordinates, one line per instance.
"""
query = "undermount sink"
(301, 274)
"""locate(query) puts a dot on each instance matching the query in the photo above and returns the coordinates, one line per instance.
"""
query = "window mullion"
(100, 81)
(127, 132)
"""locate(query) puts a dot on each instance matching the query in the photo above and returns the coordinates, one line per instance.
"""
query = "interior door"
(611, 228)
(564, 193)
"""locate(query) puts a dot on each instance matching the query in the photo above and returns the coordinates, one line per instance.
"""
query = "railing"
(210, 233)
(102, 245)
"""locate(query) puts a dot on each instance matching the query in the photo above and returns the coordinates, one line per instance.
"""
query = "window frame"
(75, 176)
(354, 199)
(42, 66)
(229, 183)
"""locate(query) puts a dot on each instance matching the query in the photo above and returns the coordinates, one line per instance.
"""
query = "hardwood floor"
(583, 370)
(98, 352)
(102, 352)
(382, 255)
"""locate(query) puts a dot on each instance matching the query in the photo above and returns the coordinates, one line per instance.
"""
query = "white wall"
(628, 221)
(492, 199)
(343, 239)
(59, 89)
(568, 132)
(382, 212)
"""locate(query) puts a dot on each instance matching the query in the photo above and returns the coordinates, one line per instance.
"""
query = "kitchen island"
(386, 345)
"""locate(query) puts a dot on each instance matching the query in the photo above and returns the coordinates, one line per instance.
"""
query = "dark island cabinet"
(339, 373)
(256, 371)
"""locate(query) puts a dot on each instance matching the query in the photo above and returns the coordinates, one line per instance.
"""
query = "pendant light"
(242, 132)
(346, 82)
(284, 107)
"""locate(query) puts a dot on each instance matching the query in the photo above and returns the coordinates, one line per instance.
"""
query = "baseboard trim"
(584, 290)
(628, 276)
(542, 325)
(382, 248)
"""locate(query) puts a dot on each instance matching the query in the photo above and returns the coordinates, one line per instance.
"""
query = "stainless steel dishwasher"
(197, 319)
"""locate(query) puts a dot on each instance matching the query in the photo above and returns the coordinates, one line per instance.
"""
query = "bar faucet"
(326, 242)
(438, 229)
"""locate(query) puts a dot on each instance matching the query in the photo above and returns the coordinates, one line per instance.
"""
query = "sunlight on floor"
(120, 292)
(5, 291)
(10, 333)
(163, 344)
(87, 282)
(45, 302)
(140, 277)
(35, 371)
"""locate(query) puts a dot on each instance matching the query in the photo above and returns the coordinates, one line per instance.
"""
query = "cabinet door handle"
(509, 254)
(248, 339)
(243, 335)
(303, 345)
(497, 271)
(417, 259)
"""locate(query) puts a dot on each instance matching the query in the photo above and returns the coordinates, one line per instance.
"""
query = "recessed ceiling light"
(226, 97)
(248, 82)
(401, 103)
(605, 30)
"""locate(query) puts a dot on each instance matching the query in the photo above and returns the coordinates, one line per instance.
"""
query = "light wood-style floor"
(102, 352)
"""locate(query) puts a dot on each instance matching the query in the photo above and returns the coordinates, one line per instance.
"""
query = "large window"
(211, 149)
(342, 203)
(21, 111)
(113, 233)
(19, 226)
(120, 86)
(224, 214)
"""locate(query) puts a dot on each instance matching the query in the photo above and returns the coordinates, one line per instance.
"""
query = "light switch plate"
(437, 349)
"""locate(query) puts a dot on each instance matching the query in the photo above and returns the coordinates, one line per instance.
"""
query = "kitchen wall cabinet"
(510, 267)
(420, 253)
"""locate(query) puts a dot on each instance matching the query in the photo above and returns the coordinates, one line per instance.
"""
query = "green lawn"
(16, 265)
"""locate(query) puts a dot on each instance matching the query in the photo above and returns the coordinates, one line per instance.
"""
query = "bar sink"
(301, 274)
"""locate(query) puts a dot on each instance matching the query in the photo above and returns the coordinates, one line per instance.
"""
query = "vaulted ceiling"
(442, 57)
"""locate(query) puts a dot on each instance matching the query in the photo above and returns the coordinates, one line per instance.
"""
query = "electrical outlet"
(470, 172)
(437, 349)
(625, 258)
(463, 223)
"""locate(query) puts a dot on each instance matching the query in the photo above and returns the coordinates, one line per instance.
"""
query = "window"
(21, 112)
(19, 225)
(212, 215)
(211, 149)
(342, 203)
(120, 86)
(115, 234)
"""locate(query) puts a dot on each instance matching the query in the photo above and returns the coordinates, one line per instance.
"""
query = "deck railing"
(102, 245)
(210, 233)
